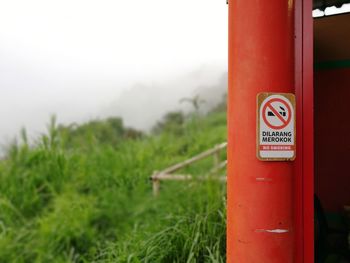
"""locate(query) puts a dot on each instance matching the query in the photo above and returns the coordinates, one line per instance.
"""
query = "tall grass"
(82, 199)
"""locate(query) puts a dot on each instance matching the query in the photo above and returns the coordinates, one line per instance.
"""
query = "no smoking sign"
(276, 126)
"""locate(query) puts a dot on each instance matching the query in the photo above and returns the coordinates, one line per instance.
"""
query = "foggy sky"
(82, 59)
(145, 103)
(75, 58)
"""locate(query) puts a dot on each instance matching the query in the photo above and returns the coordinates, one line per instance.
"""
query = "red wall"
(332, 137)
(332, 110)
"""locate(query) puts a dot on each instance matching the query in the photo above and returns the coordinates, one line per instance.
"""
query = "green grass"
(76, 197)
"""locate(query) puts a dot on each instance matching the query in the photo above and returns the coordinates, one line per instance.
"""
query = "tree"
(196, 102)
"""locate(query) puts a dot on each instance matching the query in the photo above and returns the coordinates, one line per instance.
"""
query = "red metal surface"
(261, 59)
(298, 179)
(308, 133)
(304, 165)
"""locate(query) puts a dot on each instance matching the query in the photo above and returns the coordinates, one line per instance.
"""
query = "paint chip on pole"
(276, 126)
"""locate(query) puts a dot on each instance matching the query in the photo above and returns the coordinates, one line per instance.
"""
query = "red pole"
(260, 194)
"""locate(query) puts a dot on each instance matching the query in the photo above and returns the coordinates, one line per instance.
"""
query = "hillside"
(82, 194)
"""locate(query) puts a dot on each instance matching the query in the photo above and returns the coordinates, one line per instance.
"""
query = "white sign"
(276, 127)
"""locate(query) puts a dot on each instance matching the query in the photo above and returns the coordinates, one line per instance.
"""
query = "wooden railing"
(167, 174)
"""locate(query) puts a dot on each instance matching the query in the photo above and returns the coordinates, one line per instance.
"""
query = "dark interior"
(323, 4)
(332, 137)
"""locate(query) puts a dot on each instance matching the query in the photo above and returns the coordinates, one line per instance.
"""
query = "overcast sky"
(74, 57)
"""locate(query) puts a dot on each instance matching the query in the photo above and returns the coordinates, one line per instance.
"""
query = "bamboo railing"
(167, 174)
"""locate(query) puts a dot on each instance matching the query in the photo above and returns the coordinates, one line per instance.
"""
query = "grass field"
(84, 195)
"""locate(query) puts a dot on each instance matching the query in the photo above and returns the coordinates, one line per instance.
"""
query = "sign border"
(260, 97)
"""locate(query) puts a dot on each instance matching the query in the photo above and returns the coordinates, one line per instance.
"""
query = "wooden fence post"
(155, 184)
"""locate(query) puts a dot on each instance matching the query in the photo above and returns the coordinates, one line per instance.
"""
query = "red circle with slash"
(277, 114)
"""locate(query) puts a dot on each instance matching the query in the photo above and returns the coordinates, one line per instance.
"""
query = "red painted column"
(261, 59)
